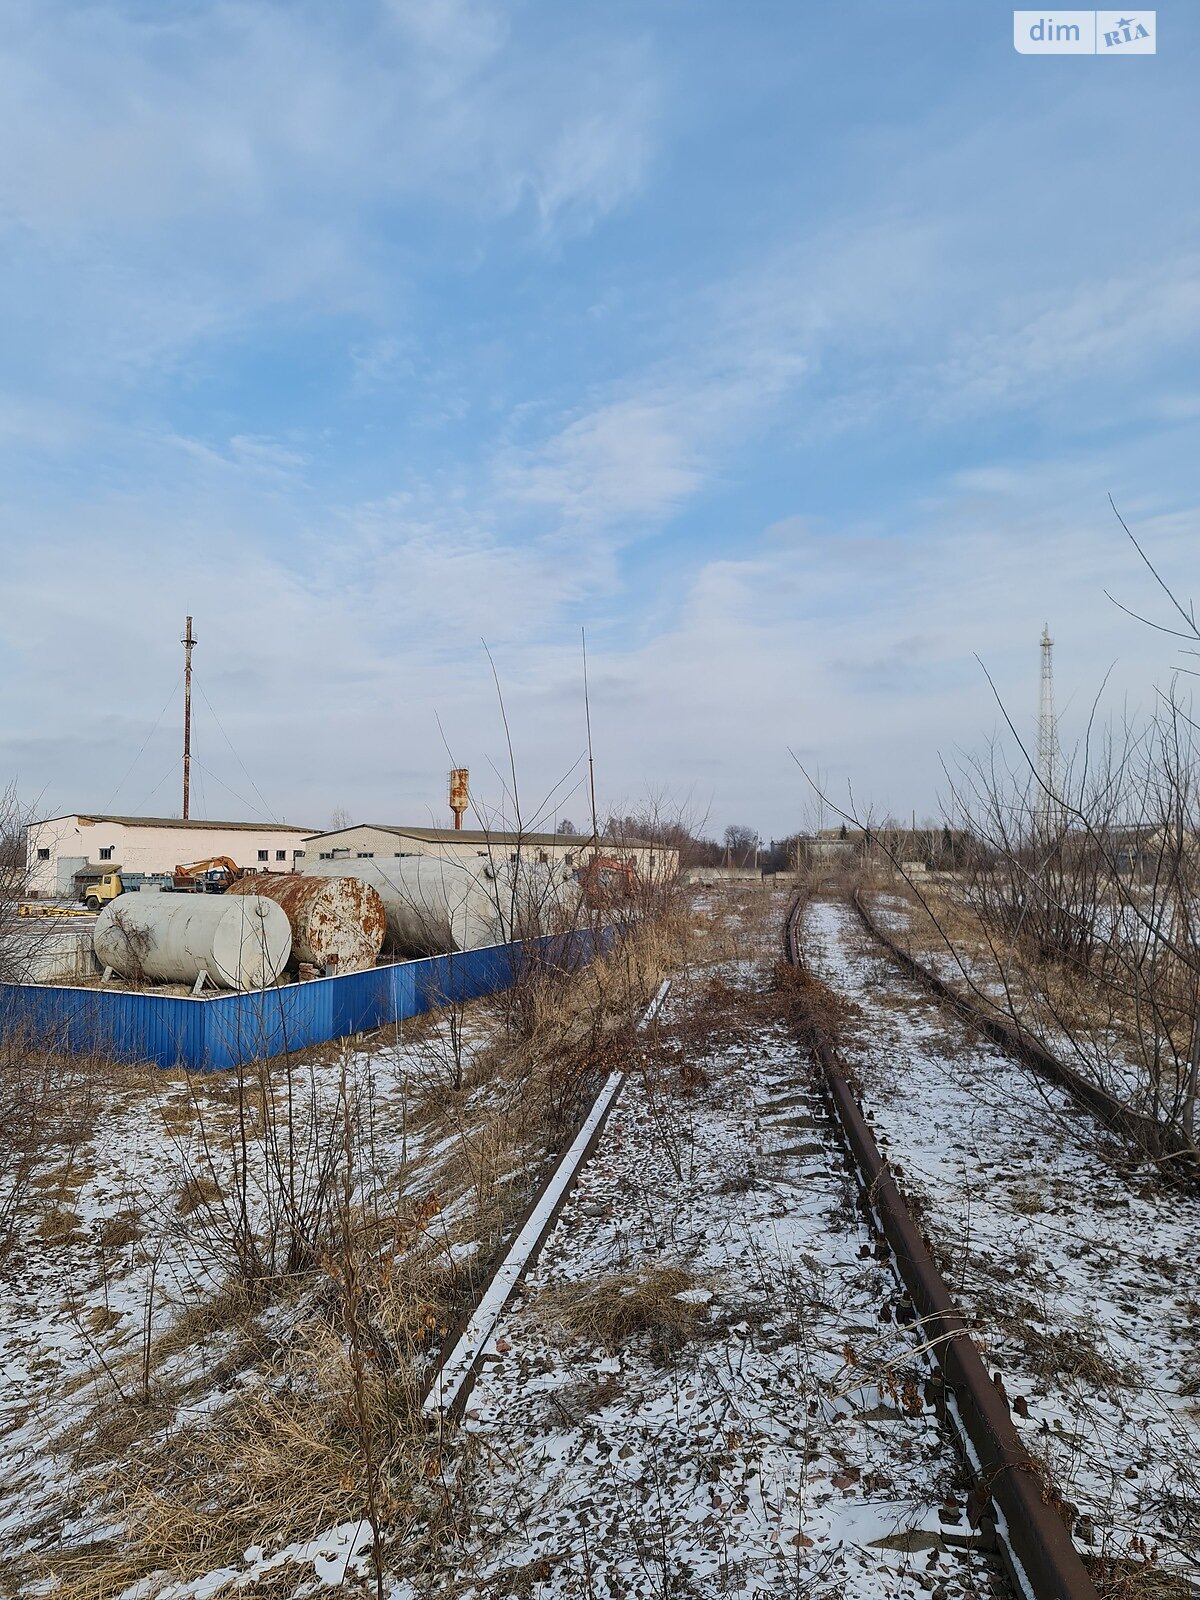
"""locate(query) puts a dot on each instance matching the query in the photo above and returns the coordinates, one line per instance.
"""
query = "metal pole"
(1047, 734)
(187, 642)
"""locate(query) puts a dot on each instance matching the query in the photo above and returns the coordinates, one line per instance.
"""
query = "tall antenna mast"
(187, 642)
(1047, 732)
(587, 711)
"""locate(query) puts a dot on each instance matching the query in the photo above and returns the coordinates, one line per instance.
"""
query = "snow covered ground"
(1092, 1046)
(1081, 1274)
(127, 1231)
(704, 1389)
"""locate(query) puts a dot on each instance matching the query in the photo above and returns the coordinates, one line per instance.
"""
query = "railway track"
(457, 1366)
(710, 1380)
(1174, 1155)
(1073, 1275)
(1010, 1487)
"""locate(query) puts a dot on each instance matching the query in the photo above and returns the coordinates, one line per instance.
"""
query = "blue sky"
(793, 350)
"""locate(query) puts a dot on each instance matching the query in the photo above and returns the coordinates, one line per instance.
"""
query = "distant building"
(371, 839)
(828, 845)
(63, 852)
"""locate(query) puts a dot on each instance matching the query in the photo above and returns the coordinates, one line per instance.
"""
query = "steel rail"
(1175, 1158)
(454, 1374)
(1037, 1546)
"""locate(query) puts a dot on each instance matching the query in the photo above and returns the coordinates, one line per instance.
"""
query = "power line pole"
(187, 642)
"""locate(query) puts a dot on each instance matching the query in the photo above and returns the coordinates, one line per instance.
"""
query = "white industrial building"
(63, 852)
(366, 840)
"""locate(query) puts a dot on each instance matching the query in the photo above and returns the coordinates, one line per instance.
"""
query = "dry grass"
(813, 1010)
(611, 1311)
(297, 1450)
(124, 1228)
(230, 1310)
(60, 1226)
(1137, 1580)
(283, 1459)
(279, 1463)
(199, 1190)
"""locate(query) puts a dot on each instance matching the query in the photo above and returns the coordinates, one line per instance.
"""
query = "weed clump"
(665, 1306)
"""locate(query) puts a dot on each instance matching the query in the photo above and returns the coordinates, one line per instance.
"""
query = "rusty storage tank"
(337, 923)
(239, 943)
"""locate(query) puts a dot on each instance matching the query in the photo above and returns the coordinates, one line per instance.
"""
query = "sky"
(792, 351)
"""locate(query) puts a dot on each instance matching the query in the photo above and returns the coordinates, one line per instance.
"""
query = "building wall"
(574, 850)
(71, 843)
(347, 843)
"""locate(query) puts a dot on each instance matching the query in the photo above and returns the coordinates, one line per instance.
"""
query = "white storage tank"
(433, 906)
(436, 905)
(239, 942)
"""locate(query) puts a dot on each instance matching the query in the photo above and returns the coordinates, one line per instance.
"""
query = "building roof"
(178, 822)
(482, 836)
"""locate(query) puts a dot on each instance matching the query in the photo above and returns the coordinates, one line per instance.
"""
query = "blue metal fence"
(221, 1031)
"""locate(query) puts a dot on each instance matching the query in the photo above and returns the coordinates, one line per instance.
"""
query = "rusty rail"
(1044, 1561)
(1168, 1149)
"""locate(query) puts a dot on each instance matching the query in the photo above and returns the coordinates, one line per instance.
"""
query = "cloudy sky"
(792, 349)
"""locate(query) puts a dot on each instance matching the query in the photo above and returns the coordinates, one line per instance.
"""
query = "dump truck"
(213, 875)
(210, 876)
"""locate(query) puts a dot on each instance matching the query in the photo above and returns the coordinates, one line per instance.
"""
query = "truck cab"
(103, 889)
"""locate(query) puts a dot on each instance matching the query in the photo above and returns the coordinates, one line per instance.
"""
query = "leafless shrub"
(134, 942)
(47, 1104)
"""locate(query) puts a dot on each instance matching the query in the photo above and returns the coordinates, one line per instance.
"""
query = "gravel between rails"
(762, 1429)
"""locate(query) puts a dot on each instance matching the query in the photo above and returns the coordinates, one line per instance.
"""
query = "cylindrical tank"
(337, 923)
(433, 906)
(240, 943)
(436, 905)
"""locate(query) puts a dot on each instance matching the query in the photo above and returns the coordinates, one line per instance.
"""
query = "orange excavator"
(213, 875)
(607, 882)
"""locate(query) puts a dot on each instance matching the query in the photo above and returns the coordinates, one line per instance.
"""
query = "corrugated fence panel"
(129, 1027)
(265, 1022)
(466, 975)
(365, 1000)
(224, 1031)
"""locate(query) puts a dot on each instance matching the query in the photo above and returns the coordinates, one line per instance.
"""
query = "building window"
(366, 855)
(43, 855)
(264, 855)
(281, 855)
(326, 855)
(106, 852)
(297, 855)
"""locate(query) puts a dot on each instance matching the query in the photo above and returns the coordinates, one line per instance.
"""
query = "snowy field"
(1080, 1273)
(112, 1289)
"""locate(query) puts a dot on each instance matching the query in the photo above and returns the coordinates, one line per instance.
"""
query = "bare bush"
(47, 1105)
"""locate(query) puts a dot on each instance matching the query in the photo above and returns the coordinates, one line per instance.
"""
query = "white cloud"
(166, 176)
(327, 661)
